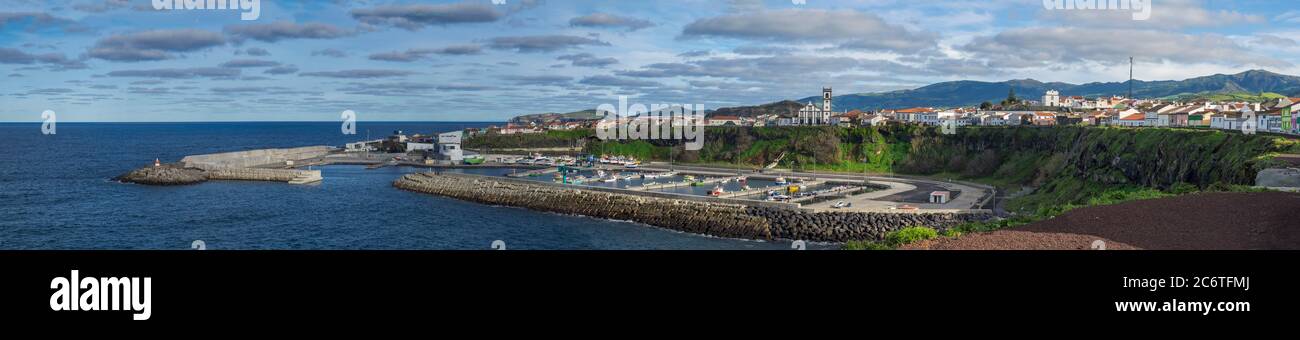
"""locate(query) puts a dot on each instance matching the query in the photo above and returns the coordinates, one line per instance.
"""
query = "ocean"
(57, 192)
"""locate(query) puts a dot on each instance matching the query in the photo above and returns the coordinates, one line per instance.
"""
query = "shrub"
(910, 235)
(866, 245)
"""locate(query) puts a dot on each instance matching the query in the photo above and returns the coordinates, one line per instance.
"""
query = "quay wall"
(253, 158)
(697, 214)
(255, 174)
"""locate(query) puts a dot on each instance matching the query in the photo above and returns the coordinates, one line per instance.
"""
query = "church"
(812, 115)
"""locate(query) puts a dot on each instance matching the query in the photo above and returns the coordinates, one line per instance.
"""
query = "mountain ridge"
(972, 93)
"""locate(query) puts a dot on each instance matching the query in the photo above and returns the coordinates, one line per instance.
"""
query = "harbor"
(767, 204)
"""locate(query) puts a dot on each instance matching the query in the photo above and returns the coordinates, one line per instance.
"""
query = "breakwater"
(795, 224)
(235, 166)
(723, 218)
(172, 174)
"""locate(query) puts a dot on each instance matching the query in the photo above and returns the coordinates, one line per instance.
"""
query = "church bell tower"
(826, 99)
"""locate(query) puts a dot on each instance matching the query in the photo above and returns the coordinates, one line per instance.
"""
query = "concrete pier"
(255, 158)
(255, 174)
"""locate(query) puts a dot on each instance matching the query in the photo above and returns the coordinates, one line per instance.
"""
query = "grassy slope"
(1069, 166)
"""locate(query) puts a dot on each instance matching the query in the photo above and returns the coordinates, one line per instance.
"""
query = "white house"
(1227, 121)
(875, 120)
(1131, 120)
(362, 146)
(991, 119)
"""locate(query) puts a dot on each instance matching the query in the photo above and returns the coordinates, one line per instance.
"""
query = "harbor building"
(449, 146)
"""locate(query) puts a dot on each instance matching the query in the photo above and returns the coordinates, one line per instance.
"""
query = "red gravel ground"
(1211, 221)
(1016, 240)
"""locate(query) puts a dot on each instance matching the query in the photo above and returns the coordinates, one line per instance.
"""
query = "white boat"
(717, 191)
(781, 181)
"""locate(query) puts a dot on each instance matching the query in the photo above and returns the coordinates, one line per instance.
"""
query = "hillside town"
(1276, 115)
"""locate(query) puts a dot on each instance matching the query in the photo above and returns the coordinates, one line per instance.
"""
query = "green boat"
(474, 160)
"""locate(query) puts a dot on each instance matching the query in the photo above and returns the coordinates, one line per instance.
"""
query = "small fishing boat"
(781, 181)
(717, 191)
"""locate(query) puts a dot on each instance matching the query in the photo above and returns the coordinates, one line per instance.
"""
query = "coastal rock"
(166, 174)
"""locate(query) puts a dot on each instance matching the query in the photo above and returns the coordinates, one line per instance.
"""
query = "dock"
(669, 185)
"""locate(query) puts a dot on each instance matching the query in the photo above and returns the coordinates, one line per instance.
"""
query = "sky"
(489, 60)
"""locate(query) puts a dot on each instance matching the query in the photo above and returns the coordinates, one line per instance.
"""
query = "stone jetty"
(721, 218)
(166, 174)
(175, 174)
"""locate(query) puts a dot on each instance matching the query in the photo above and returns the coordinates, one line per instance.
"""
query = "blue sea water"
(56, 192)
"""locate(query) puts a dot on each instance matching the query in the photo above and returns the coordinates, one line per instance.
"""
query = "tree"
(986, 105)
(1011, 99)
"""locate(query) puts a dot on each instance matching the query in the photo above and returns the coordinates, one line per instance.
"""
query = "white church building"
(1052, 98)
(812, 115)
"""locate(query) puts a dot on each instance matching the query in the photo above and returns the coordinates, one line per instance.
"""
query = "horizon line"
(252, 121)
